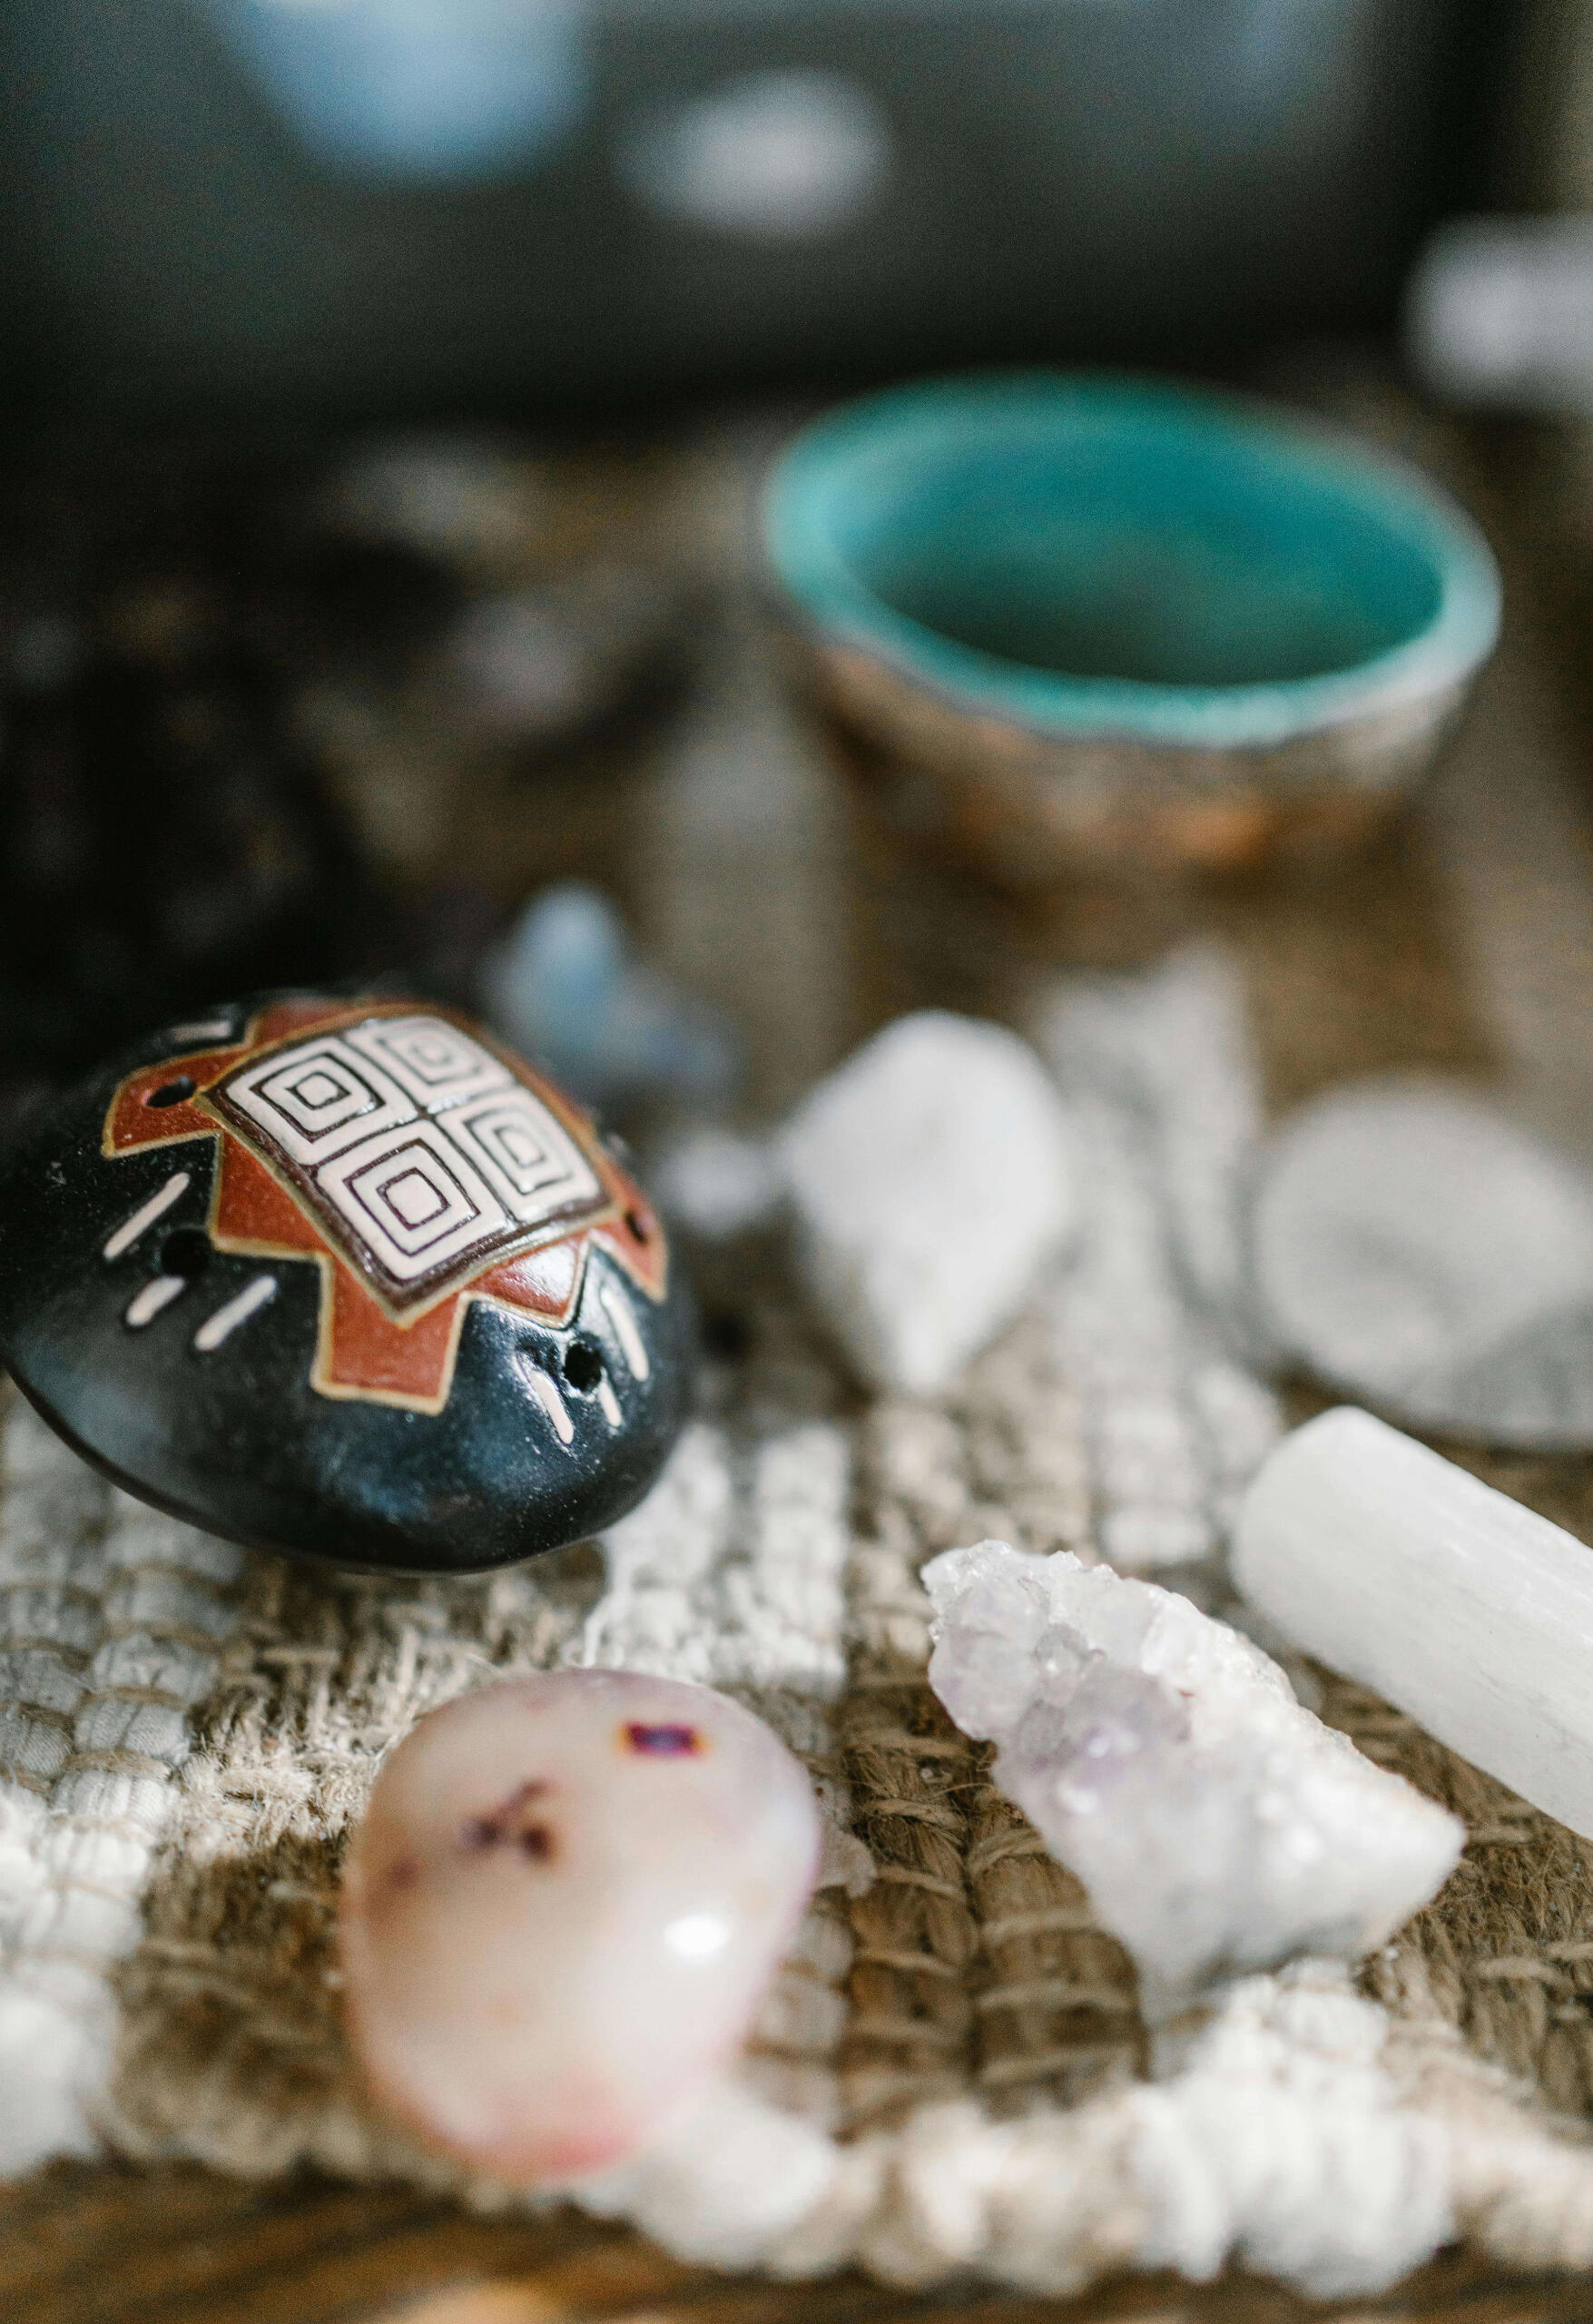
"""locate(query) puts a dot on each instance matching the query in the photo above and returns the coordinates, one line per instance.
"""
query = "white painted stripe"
(625, 1324)
(147, 1304)
(609, 1402)
(203, 1029)
(158, 1204)
(548, 1397)
(226, 1320)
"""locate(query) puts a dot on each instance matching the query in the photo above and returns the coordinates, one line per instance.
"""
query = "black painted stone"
(327, 1420)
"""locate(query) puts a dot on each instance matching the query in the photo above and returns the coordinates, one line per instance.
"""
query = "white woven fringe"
(111, 1619)
(1281, 2143)
(1302, 2130)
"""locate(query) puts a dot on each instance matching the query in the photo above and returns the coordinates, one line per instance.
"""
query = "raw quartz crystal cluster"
(1218, 1826)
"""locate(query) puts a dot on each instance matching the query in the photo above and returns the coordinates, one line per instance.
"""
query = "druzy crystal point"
(1453, 1602)
(929, 1177)
(561, 1911)
(343, 1276)
(1218, 1826)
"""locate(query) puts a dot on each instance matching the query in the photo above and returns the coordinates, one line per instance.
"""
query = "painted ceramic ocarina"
(561, 1910)
(346, 1278)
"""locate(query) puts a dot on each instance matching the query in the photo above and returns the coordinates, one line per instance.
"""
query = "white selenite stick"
(1453, 1602)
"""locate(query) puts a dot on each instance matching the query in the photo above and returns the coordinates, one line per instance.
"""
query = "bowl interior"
(1092, 544)
(1184, 565)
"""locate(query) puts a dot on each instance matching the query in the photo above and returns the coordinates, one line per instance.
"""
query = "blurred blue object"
(427, 90)
(780, 157)
(564, 987)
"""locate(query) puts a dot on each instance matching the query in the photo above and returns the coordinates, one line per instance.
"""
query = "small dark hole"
(186, 1251)
(535, 1843)
(171, 1093)
(640, 1224)
(727, 1335)
(582, 1365)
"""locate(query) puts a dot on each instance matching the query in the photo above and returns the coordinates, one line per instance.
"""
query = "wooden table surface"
(733, 858)
(111, 2245)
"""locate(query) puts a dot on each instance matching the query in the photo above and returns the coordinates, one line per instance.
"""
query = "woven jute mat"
(187, 1733)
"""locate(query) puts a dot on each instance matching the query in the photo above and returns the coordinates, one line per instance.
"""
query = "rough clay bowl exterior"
(1081, 624)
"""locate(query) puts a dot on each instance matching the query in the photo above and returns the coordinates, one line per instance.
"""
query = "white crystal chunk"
(1416, 1248)
(1451, 1600)
(929, 1178)
(1218, 1826)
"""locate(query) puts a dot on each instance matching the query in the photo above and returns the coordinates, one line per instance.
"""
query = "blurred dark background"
(288, 690)
(403, 206)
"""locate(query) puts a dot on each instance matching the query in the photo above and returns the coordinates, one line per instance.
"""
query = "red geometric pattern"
(391, 1344)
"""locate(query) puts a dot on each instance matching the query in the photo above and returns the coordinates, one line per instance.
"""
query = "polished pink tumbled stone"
(560, 1912)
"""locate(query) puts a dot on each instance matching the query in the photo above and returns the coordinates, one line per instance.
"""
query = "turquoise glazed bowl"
(1076, 621)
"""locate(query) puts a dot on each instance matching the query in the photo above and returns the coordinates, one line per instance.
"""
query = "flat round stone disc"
(346, 1278)
(1416, 1249)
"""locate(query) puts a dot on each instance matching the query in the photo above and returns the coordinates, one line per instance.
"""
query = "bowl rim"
(832, 600)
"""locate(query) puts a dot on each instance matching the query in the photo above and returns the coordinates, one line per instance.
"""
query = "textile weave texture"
(950, 2071)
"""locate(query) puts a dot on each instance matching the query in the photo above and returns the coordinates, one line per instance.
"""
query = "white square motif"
(316, 1098)
(413, 1199)
(415, 1148)
(433, 1060)
(528, 1155)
